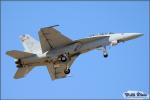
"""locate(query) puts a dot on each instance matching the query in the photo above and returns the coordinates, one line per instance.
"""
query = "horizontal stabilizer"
(21, 72)
(18, 54)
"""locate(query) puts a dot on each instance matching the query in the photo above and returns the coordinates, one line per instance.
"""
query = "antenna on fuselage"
(52, 26)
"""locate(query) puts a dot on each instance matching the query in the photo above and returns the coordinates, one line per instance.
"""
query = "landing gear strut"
(104, 50)
(105, 54)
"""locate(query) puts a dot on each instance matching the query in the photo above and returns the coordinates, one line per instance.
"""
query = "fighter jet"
(58, 52)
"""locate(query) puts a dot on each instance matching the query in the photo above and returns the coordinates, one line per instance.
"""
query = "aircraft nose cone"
(129, 36)
(136, 34)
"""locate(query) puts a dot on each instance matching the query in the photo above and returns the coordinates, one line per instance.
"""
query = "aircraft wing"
(56, 71)
(52, 38)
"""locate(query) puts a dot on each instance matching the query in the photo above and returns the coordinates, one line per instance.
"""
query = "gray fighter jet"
(58, 52)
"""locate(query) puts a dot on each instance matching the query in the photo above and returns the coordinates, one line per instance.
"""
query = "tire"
(105, 55)
(63, 58)
(67, 71)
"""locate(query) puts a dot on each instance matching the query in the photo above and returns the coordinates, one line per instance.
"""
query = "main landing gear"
(67, 71)
(63, 58)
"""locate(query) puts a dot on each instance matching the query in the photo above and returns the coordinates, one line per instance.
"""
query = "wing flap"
(60, 72)
(60, 75)
(51, 70)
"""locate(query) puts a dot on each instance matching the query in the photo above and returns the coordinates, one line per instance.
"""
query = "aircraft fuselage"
(75, 48)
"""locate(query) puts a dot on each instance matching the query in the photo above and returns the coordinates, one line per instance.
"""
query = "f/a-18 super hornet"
(58, 52)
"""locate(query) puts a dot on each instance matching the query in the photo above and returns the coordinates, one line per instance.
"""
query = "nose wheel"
(104, 50)
(67, 71)
(105, 55)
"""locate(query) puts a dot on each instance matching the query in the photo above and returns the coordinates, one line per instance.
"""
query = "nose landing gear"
(105, 55)
(104, 50)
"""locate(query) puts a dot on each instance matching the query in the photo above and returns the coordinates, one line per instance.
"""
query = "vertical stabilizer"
(30, 44)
